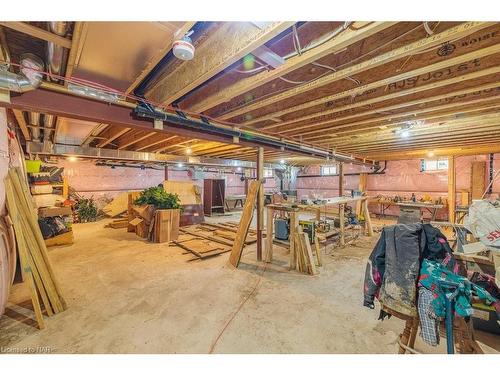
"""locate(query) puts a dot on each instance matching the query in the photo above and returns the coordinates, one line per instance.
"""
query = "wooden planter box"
(166, 225)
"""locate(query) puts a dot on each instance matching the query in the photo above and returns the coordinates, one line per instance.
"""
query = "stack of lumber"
(155, 225)
(228, 230)
(36, 268)
(304, 253)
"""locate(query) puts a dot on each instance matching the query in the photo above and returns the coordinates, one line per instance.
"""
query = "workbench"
(236, 199)
(318, 209)
(430, 207)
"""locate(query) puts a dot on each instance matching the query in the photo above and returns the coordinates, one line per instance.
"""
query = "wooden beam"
(456, 32)
(388, 128)
(229, 43)
(452, 193)
(398, 94)
(77, 40)
(381, 83)
(38, 33)
(341, 181)
(133, 138)
(161, 53)
(442, 151)
(172, 144)
(488, 86)
(22, 124)
(110, 134)
(341, 41)
(152, 141)
(398, 118)
(260, 202)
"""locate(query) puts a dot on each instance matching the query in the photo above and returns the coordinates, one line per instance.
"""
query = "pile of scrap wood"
(154, 225)
(206, 240)
(121, 222)
(200, 247)
(36, 268)
(303, 258)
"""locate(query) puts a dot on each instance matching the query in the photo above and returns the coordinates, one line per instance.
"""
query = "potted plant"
(166, 216)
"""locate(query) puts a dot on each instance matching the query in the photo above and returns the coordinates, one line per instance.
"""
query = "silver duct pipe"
(137, 156)
(34, 119)
(48, 123)
(56, 54)
(29, 77)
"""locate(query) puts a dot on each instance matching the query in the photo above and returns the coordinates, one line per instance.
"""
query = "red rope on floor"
(214, 343)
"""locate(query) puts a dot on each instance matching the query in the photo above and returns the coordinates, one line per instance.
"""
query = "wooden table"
(431, 207)
(236, 199)
(318, 209)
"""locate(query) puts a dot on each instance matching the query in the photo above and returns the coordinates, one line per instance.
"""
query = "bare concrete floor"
(129, 296)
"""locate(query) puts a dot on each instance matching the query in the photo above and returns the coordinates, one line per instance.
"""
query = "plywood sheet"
(187, 191)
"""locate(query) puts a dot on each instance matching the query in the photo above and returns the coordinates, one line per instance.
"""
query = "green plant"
(159, 198)
(86, 209)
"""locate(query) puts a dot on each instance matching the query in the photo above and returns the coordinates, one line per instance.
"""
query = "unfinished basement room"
(244, 187)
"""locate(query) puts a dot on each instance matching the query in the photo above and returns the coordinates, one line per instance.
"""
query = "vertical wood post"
(166, 172)
(269, 234)
(452, 196)
(362, 188)
(341, 179)
(260, 202)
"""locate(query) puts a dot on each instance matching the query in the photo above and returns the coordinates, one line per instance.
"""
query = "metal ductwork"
(56, 55)
(48, 124)
(29, 77)
(34, 121)
(136, 156)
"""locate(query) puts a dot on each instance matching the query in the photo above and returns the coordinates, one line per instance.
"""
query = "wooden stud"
(451, 189)
(110, 134)
(22, 124)
(342, 224)
(269, 235)
(368, 220)
(260, 202)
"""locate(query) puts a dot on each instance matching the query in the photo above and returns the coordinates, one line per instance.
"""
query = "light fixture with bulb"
(282, 161)
(188, 150)
(183, 48)
(430, 154)
(72, 159)
(405, 133)
(238, 169)
(180, 165)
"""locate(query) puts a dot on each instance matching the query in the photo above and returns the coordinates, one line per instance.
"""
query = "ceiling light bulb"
(282, 161)
(430, 154)
(72, 158)
(405, 133)
(238, 169)
(180, 165)
(188, 150)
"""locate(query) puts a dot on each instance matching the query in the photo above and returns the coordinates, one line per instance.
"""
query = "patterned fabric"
(432, 276)
(429, 322)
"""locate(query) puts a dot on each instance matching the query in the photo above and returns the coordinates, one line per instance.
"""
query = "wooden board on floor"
(246, 219)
